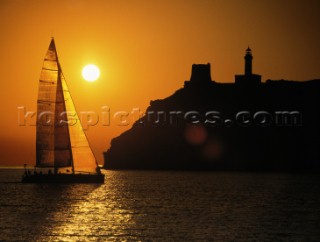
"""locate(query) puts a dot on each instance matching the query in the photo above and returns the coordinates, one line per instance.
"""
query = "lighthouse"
(248, 79)
(248, 62)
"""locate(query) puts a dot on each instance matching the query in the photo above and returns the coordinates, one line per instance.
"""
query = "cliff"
(246, 125)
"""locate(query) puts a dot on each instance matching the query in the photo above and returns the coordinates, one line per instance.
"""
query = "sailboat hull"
(63, 178)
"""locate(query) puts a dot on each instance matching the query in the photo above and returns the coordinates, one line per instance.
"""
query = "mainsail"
(61, 141)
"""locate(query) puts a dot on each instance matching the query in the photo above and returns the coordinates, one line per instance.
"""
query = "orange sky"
(144, 50)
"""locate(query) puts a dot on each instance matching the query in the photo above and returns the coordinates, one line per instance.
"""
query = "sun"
(90, 73)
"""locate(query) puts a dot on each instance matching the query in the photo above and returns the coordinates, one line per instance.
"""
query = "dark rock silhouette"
(246, 126)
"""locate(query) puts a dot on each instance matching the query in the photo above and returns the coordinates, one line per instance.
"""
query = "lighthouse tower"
(248, 79)
(248, 62)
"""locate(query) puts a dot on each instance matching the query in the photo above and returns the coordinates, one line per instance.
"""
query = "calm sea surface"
(163, 206)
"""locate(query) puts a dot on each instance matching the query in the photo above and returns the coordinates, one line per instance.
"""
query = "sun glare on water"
(90, 73)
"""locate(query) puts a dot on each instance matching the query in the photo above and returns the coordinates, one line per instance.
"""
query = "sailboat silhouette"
(61, 143)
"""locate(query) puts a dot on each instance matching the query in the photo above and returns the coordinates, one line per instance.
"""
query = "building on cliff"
(206, 125)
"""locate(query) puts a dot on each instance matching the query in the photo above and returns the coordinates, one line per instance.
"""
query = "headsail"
(83, 157)
(59, 144)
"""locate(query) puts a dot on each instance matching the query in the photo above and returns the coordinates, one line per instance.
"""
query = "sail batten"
(58, 144)
(48, 69)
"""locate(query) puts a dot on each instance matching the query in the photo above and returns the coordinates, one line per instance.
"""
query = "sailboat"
(62, 148)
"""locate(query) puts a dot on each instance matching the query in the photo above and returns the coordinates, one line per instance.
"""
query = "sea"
(163, 206)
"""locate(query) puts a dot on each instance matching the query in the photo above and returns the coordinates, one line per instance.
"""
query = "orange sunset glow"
(144, 51)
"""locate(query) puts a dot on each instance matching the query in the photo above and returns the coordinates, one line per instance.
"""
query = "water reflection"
(30, 212)
(95, 213)
(155, 205)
